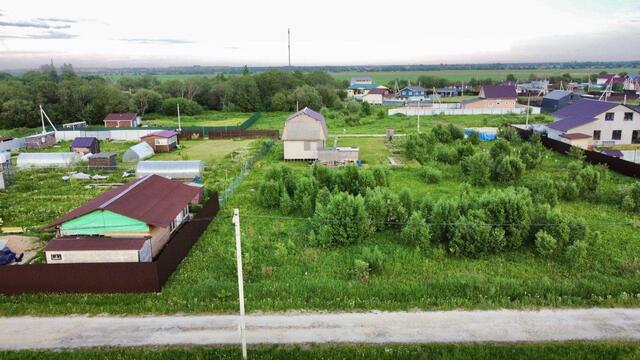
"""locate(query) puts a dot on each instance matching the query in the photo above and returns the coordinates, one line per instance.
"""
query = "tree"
(242, 94)
(365, 108)
(280, 102)
(477, 168)
(307, 96)
(416, 231)
(245, 71)
(511, 78)
(187, 107)
(508, 168)
(144, 100)
(342, 221)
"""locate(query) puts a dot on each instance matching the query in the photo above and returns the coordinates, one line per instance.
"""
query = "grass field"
(490, 351)
(208, 118)
(383, 77)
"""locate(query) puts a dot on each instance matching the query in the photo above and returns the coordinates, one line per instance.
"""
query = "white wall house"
(305, 132)
(588, 123)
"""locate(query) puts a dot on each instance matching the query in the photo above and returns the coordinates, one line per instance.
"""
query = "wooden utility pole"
(243, 340)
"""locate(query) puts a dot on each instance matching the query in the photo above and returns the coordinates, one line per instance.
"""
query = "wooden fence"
(110, 277)
(623, 167)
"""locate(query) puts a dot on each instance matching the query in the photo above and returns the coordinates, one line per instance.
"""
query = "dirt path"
(374, 327)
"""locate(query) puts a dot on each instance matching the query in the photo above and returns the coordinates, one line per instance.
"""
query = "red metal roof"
(121, 116)
(163, 134)
(94, 243)
(153, 199)
(575, 136)
(379, 91)
(499, 92)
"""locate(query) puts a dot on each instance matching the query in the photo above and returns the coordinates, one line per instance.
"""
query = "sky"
(146, 33)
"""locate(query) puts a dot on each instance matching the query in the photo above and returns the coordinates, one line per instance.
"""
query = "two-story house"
(587, 123)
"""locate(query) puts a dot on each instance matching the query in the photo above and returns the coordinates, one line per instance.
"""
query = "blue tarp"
(7, 256)
(484, 136)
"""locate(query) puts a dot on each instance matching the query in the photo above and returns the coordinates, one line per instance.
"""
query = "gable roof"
(499, 92)
(121, 116)
(414, 88)
(379, 91)
(162, 134)
(558, 94)
(94, 243)
(153, 199)
(581, 112)
(84, 142)
(312, 114)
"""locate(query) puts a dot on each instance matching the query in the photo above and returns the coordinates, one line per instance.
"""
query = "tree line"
(68, 97)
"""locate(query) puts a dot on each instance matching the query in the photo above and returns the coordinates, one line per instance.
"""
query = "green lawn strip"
(489, 351)
(207, 118)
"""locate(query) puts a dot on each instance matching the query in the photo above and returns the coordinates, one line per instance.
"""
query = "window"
(616, 135)
(56, 257)
(608, 116)
(596, 134)
(635, 137)
(172, 226)
(628, 116)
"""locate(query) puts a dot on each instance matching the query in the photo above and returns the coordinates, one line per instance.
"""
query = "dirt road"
(373, 327)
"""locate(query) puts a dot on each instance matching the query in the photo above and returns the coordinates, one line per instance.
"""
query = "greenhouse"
(179, 169)
(138, 152)
(43, 160)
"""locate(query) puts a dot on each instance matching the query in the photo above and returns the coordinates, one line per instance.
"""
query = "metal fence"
(429, 111)
(618, 165)
(246, 166)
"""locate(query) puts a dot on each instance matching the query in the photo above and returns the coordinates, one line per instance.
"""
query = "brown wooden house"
(40, 141)
(85, 145)
(103, 161)
(122, 120)
(162, 141)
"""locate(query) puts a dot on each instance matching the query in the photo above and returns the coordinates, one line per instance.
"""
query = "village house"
(375, 96)
(103, 161)
(587, 123)
(162, 141)
(152, 207)
(305, 132)
(413, 93)
(85, 145)
(122, 120)
(557, 99)
(40, 141)
(607, 79)
(493, 97)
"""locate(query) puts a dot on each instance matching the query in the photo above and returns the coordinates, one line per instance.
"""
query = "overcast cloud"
(150, 33)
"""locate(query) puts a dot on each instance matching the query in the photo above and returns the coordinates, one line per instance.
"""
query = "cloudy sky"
(152, 33)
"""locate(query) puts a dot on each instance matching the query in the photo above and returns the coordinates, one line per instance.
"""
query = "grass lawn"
(373, 150)
(207, 118)
(490, 351)
(372, 124)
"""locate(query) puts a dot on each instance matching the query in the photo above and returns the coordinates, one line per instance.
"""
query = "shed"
(75, 125)
(122, 120)
(162, 141)
(40, 141)
(85, 145)
(97, 249)
(339, 155)
(44, 160)
(138, 152)
(557, 99)
(103, 161)
(176, 169)
(305, 132)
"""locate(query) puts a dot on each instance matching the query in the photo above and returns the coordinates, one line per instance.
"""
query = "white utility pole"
(289, 46)
(236, 222)
(44, 130)
(179, 127)
(528, 109)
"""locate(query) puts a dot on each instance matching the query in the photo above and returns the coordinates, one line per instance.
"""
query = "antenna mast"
(289, 46)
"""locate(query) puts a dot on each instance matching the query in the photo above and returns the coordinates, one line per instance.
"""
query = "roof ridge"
(113, 199)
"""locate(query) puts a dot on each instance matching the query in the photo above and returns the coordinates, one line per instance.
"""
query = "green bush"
(474, 138)
(269, 193)
(446, 154)
(510, 208)
(430, 175)
(508, 168)
(416, 231)
(545, 243)
(464, 150)
(374, 258)
(477, 168)
(543, 190)
(406, 200)
(445, 212)
(531, 154)
(380, 175)
(187, 107)
(361, 270)
(631, 199)
(344, 220)
(365, 108)
(305, 195)
(510, 134)
(376, 205)
(500, 148)
(473, 236)
(381, 114)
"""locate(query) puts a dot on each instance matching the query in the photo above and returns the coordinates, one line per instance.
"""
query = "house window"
(635, 137)
(616, 135)
(596, 134)
(628, 116)
(57, 257)
(608, 116)
(172, 226)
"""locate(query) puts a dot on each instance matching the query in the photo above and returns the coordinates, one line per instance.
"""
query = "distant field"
(453, 75)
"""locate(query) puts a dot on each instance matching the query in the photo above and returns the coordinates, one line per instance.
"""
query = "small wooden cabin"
(103, 161)
(162, 141)
(40, 141)
(85, 145)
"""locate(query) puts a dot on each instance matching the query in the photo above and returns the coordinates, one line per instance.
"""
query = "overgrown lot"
(294, 258)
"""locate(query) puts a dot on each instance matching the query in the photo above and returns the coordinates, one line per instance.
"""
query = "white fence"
(115, 134)
(12, 145)
(430, 111)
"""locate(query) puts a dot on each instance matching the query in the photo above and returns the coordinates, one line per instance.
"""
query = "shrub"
(545, 243)
(447, 134)
(464, 150)
(588, 179)
(187, 107)
(430, 175)
(342, 221)
(323, 175)
(406, 200)
(474, 138)
(543, 190)
(365, 109)
(511, 208)
(361, 270)
(269, 193)
(380, 115)
(374, 258)
(508, 168)
(577, 252)
(577, 153)
(477, 168)
(287, 206)
(473, 236)
(376, 206)
(446, 154)
(305, 195)
(416, 231)
(531, 154)
(380, 175)
(510, 134)
(631, 201)
(500, 148)
(444, 213)
(323, 196)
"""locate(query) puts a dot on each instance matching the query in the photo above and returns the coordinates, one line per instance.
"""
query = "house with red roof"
(376, 96)
(162, 141)
(493, 97)
(587, 123)
(304, 134)
(122, 120)
(150, 208)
